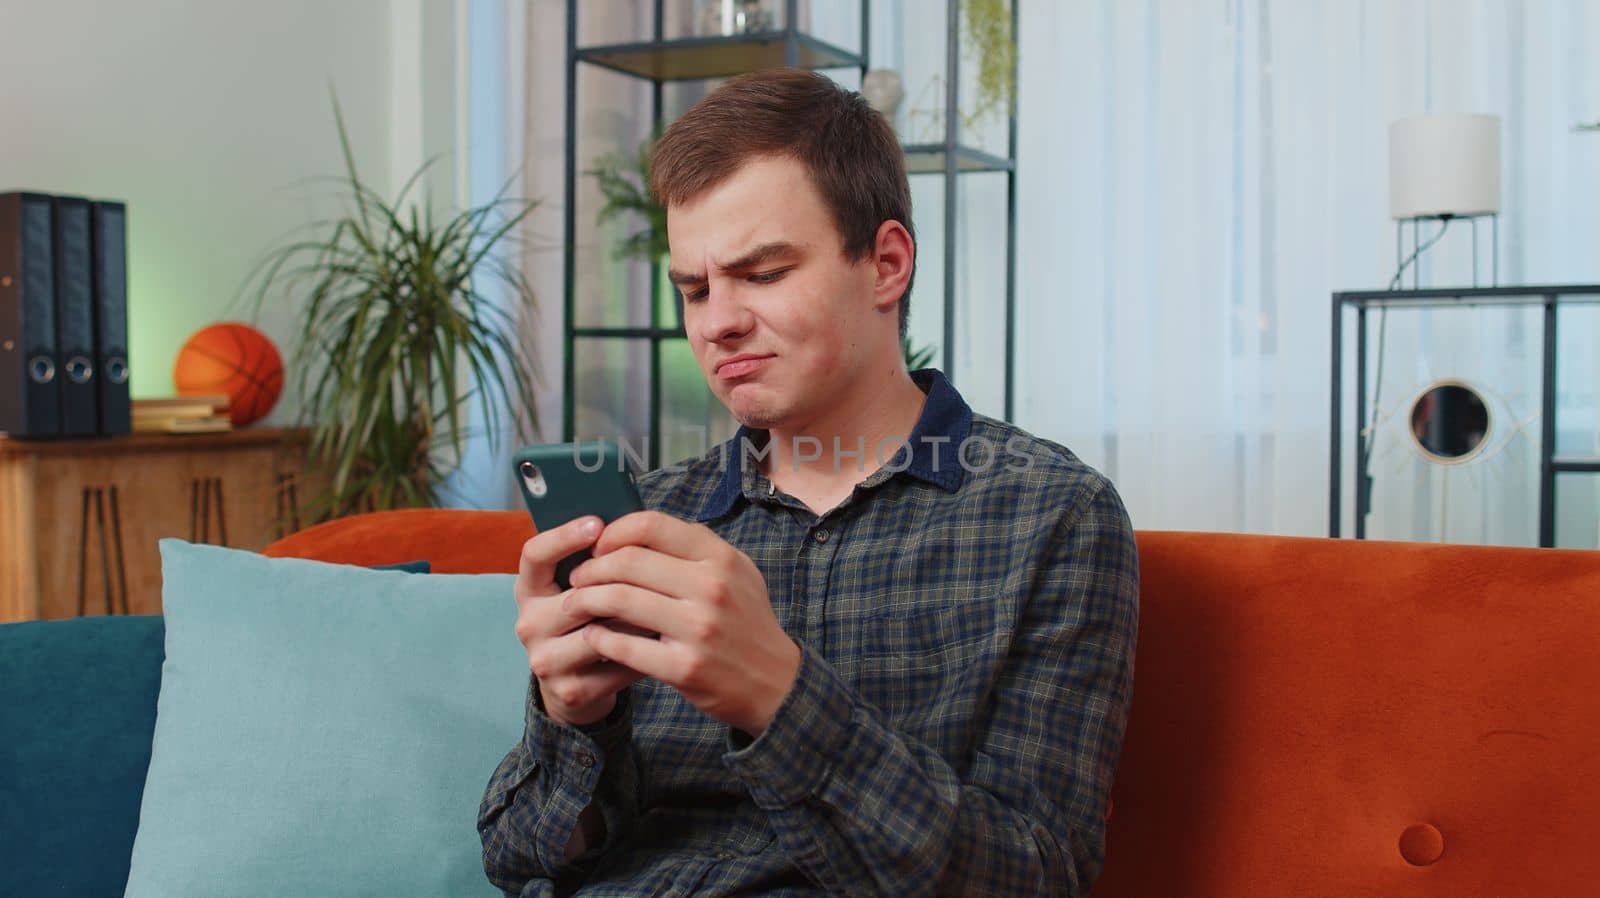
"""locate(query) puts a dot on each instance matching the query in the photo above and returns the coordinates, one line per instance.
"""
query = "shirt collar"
(935, 445)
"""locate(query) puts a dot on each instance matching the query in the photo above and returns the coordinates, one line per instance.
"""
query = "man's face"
(765, 279)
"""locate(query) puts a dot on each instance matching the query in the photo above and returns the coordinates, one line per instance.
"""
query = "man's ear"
(894, 257)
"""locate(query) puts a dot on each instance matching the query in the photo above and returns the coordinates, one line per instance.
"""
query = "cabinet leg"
(288, 505)
(201, 493)
(105, 548)
(205, 510)
(83, 551)
(222, 517)
(116, 542)
(110, 539)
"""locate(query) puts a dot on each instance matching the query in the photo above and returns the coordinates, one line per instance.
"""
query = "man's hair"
(848, 149)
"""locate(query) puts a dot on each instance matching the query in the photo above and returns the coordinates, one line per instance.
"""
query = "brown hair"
(849, 150)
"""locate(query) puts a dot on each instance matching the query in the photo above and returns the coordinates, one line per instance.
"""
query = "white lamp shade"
(1444, 165)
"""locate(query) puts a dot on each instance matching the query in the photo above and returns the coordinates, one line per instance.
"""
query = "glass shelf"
(715, 57)
(928, 159)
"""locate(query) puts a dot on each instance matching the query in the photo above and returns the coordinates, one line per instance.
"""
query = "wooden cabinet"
(80, 519)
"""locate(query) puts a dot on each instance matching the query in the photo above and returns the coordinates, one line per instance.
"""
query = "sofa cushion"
(456, 541)
(77, 707)
(324, 729)
(1354, 717)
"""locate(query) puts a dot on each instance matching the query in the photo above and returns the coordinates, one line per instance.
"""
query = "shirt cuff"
(796, 753)
(550, 741)
(581, 760)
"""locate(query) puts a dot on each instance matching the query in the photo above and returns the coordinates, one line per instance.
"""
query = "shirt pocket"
(928, 668)
(950, 629)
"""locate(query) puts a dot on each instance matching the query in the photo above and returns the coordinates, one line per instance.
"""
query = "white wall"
(206, 117)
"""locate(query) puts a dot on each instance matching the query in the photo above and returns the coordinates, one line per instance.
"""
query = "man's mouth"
(741, 365)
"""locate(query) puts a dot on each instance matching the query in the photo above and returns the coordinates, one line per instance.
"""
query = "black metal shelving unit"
(660, 61)
(1551, 298)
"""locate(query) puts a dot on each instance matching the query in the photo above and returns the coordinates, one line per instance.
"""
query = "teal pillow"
(324, 729)
(77, 707)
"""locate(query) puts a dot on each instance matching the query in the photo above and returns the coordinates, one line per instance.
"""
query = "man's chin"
(754, 415)
(757, 420)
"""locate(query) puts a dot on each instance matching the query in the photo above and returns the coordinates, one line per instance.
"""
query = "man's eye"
(769, 277)
(696, 294)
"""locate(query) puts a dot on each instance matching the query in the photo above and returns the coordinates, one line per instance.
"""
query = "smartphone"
(563, 481)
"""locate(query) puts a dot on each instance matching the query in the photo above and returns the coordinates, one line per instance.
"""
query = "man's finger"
(548, 617)
(616, 677)
(544, 551)
(562, 655)
(643, 567)
(660, 531)
(649, 657)
(645, 609)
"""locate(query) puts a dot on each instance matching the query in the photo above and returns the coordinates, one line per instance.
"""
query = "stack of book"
(182, 414)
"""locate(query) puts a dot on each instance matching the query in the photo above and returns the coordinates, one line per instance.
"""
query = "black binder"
(29, 400)
(111, 316)
(75, 317)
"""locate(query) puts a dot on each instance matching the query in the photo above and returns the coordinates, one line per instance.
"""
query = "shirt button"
(585, 759)
(725, 855)
(820, 536)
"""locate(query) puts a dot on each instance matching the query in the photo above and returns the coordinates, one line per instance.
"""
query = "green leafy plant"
(916, 358)
(986, 29)
(624, 182)
(397, 337)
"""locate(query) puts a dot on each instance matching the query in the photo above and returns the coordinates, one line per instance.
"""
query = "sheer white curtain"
(1200, 175)
(512, 122)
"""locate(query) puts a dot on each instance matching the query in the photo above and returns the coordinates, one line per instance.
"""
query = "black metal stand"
(1549, 297)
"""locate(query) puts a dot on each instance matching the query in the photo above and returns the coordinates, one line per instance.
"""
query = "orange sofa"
(1310, 717)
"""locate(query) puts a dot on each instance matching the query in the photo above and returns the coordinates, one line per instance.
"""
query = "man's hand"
(720, 645)
(578, 686)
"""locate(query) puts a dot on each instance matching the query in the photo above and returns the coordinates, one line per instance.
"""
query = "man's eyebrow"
(766, 252)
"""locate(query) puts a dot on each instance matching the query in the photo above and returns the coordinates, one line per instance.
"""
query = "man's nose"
(722, 315)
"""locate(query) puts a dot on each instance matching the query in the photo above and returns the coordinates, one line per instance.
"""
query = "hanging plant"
(986, 33)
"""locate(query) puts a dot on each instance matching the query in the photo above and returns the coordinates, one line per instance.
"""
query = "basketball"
(235, 360)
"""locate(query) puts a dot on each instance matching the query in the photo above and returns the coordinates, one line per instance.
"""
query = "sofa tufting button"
(1421, 844)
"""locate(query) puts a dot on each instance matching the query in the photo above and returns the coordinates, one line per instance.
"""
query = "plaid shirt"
(967, 646)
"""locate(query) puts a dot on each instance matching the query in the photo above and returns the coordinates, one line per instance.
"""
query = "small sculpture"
(883, 91)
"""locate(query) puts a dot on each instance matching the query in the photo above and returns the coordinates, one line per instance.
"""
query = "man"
(876, 644)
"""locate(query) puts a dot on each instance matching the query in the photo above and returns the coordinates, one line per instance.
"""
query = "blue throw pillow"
(77, 707)
(77, 710)
(324, 729)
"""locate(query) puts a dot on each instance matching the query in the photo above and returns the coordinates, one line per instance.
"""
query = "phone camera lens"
(533, 480)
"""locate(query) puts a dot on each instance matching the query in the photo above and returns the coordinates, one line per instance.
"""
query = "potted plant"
(397, 337)
(915, 358)
(624, 182)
